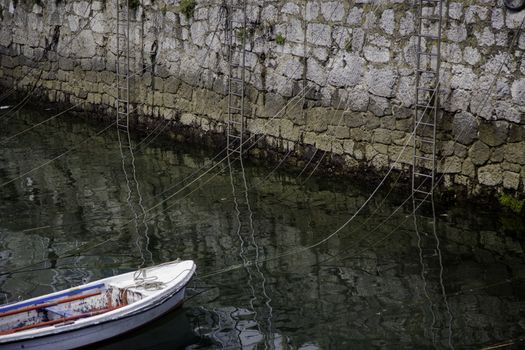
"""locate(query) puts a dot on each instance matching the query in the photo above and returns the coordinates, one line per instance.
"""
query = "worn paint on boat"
(95, 311)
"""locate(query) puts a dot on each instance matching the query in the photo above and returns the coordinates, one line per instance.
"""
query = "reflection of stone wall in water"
(376, 297)
(360, 57)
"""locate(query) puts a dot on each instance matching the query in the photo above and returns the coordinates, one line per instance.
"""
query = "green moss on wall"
(508, 201)
(280, 39)
(187, 7)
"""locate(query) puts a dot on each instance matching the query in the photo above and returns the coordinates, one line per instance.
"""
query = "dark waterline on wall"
(362, 288)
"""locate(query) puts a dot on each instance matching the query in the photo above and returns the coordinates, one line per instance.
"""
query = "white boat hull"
(72, 335)
(97, 333)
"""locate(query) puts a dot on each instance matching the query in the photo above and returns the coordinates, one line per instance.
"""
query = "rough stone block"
(513, 20)
(73, 22)
(450, 165)
(358, 100)
(82, 8)
(339, 132)
(360, 135)
(455, 10)
(293, 31)
(460, 150)
(486, 37)
(348, 146)
(312, 10)
(468, 168)
(381, 82)
(447, 148)
(62, 76)
(388, 21)
(333, 11)
(358, 39)
(379, 106)
(406, 92)
(86, 65)
(188, 119)
(91, 76)
(493, 133)
(490, 175)
(456, 32)
(269, 14)
(458, 100)
(465, 128)
(359, 152)
(497, 19)
(9, 62)
(291, 8)
(273, 104)
(347, 72)
(516, 133)
(380, 161)
(518, 91)
(309, 138)
(355, 16)
(354, 120)
(97, 5)
(463, 77)
(376, 54)
(319, 34)
(289, 131)
(158, 99)
(316, 72)
(479, 153)
(380, 148)
(84, 45)
(370, 152)
(497, 155)
(316, 120)
(337, 147)
(342, 37)
(471, 55)
(321, 53)
(476, 14)
(382, 136)
(452, 52)
(515, 152)
(512, 167)
(407, 24)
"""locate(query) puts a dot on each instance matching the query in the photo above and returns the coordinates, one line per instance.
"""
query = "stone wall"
(343, 72)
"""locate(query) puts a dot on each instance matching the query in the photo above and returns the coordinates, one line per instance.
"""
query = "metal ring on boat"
(514, 5)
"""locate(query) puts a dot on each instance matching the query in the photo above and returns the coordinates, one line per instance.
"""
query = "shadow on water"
(172, 331)
(361, 289)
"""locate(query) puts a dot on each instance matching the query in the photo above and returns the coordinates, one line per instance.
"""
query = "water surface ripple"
(362, 289)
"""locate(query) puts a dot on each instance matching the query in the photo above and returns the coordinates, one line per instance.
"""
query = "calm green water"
(363, 288)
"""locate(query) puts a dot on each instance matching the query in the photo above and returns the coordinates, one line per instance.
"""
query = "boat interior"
(65, 307)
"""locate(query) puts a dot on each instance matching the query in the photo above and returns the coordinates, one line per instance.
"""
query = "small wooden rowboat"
(95, 311)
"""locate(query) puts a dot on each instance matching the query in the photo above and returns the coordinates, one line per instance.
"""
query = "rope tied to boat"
(146, 282)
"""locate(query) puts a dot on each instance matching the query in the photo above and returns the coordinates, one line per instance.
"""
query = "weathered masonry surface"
(355, 57)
